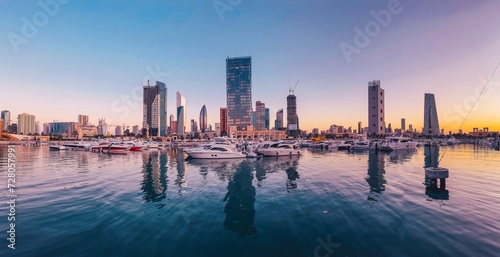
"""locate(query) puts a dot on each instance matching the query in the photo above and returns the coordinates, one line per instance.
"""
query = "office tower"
(260, 115)
(278, 123)
(173, 124)
(203, 119)
(25, 124)
(135, 129)
(376, 110)
(6, 120)
(359, 127)
(38, 129)
(102, 128)
(267, 119)
(83, 120)
(293, 129)
(217, 128)
(163, 108)
(431, 123)
(403, 124)
(180, 120)
(181, 102)
(410, 128)
(239, 92)
(254, 118)
(194, 126)
(151, 110)
(224, 127)
(118, 131)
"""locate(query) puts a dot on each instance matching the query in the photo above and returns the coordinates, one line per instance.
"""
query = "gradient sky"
(92, 56)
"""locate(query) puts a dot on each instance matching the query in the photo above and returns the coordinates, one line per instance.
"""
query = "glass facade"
(203, 119)
(239, 91)
(163, 107)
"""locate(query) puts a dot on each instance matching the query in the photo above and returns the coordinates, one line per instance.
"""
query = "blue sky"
(92, 57)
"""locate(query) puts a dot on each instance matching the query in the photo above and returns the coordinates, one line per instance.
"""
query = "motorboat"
(281, 149)
(362, 145)
(107, 147)
(345, 145)
(216, 151)
(452, 141)
(398, 143)
(135, 147)
(80, 146)
(57, 147)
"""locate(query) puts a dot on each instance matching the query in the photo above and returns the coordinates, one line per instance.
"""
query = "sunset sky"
(93, 57)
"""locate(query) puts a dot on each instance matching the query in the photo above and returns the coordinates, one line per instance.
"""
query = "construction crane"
(290, 90)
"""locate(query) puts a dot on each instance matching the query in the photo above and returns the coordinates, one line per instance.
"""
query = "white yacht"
(398, 143)
(77, 146)
(216, 151)
(362, 145)
(57, 147)
(281, 150)
(345, 145)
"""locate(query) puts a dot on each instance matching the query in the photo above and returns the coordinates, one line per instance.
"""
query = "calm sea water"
(324, 203)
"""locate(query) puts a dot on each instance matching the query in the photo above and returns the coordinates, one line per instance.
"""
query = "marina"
(268, 206)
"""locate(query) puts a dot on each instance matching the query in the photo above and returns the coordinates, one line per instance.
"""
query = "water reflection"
(399, 156)
(376, 171)
(154, 182)
(431, 158)
(240, 200)
(222, 167)
(276, 164)
(181, 181)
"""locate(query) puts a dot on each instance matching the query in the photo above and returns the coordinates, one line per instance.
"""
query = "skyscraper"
(163, 108)
(83, 120)
(239, 91)
(151, 110)
(403, 124)
(25, 124)
(102, 129)
(293, 129)
(203, 119)
(173, 124)
(267, 119)
(6, 120)
(181, 120)
(359, 127)
(431, 123)
(260, 115)
(278, 123)
(224, 129)
(376, 110)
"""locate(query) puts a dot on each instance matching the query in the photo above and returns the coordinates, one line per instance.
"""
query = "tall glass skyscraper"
(181, 120)
(154, 115)
(431, 123)
(203, 119)
(239, 91)
(267, 118)
(293, 129)
(5, 116)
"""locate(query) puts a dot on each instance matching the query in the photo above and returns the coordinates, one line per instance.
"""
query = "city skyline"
(447, 49)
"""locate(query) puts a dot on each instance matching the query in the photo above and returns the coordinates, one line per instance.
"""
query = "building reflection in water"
(431, 158)
(240, 200)
(400, 156)
(180, 181)
(154, 184)
(376, 171)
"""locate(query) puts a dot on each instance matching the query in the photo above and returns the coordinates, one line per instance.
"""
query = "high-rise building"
(359, 127)
(431, 123)
(224, 127)
(102, 128)
(118, 131)
(403, 124)
(83, 120)
(194, 126)
(278, 123)
(163, 108)
(267, 118)
(135, 129)
(217, 128)
(376, 110)
(203, 119)
(260, 115)
(155, 109)
(254, 118)
(293, 129)
(151, 111)
(239, 91)
(173, 124)
(180, 121)
(25, 124)
(38, 128)
(181, 114)
(5, 116)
